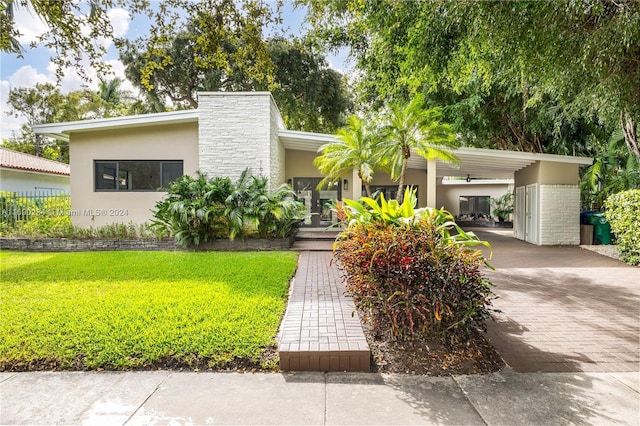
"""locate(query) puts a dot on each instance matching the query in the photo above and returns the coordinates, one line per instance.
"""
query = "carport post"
(431, 183)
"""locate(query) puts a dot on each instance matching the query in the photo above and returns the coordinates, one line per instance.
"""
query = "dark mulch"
(431, 357)
(267, 362)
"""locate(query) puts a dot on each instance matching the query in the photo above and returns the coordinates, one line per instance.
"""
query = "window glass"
(171, 170)
(389, 191)
(135, 175)
(106, 173)
(475, 206)
(140, 175)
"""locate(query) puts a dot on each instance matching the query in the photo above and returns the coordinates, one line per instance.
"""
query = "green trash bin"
(601, 228)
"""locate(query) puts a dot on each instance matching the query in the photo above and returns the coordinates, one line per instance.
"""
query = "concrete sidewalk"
(162, 397)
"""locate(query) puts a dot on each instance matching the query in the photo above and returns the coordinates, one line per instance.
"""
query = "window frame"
(161, 164)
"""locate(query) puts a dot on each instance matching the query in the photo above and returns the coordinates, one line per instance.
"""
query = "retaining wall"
(71, 245)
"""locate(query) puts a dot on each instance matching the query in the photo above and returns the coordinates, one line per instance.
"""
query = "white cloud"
(28, 23)
(120, 20)
(27, 76)
(9, 124)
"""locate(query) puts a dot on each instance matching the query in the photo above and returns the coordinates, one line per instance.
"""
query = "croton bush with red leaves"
(414, 272)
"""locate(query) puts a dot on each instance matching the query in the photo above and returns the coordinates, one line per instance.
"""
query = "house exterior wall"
(161, 142)
(414, 177)
(448, 196)
(548, 173)
(299, 164)
(12, 180)
(559, 220)
(239, 131)
(558, 201)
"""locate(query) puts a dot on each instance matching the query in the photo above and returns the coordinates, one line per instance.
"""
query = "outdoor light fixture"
(468, 178)
(345, 184)
(289, 182)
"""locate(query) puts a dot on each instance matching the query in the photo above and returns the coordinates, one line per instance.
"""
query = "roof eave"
(63, 130)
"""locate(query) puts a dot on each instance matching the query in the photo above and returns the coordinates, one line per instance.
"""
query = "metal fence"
(25, 206)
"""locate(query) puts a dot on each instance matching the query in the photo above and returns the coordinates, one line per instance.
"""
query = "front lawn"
(122, 310)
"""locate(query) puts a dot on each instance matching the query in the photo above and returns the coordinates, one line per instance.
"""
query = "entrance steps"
(315, 239)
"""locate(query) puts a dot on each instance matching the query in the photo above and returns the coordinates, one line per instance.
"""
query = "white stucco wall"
(27, 181)
(559, 215)
(239, 131)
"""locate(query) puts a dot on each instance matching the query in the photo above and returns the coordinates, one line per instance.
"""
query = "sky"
(36, 66)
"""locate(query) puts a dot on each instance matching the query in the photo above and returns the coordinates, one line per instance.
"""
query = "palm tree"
(354, 149)
(411, 127)
(110, 91)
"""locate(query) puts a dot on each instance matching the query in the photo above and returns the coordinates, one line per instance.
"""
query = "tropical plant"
(502, 206)
(354, 149)
(410, 127)
(622, 213)
(198, 209)
(410, 273)
(614, 170)
(193, 209)
(252, 208)
(370, 211)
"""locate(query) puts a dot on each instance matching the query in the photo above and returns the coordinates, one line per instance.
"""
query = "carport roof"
(475, 162)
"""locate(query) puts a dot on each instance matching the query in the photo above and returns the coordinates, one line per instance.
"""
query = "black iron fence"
(26, 206)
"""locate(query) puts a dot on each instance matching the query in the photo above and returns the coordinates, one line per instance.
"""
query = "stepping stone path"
(321, 330)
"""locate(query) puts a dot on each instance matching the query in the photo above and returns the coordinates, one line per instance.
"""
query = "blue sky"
(36, 66)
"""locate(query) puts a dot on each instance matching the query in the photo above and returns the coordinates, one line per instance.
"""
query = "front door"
(317, 201)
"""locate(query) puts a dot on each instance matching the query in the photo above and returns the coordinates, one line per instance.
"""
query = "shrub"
(193, 208)
(622, 213)
(409, 273)
(252, 209)
(199, 209)
(47, 227)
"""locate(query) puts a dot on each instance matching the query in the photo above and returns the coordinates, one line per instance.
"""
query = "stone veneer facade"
(239, 131)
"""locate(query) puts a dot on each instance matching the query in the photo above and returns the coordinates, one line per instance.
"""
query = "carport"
(547, 194)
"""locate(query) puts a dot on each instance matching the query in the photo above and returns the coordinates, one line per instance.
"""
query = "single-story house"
(25, 173)
(119, 164)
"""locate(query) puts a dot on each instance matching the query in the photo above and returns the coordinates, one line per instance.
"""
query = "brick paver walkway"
(564, 309)
(321, 330)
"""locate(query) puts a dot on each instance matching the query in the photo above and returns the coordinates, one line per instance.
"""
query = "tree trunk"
(38, 143)
(405, 161)
(367, 189)
(630, 135)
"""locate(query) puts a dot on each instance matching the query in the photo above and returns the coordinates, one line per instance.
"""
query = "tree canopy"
(527, 75)
(74, 30)
(311, 96)
(44, 103)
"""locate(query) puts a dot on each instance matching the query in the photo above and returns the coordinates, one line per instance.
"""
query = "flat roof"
(474, 162)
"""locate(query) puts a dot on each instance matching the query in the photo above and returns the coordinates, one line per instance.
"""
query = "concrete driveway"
(564, 309)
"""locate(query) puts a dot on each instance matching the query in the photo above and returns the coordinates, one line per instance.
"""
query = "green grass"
(123, 310)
